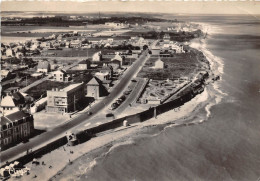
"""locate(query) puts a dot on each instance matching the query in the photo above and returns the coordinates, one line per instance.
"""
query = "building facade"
(65, 100)
(44, 66)
(60, 76)
(15, 127)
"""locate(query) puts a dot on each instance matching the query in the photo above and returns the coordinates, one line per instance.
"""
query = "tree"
(145, 47)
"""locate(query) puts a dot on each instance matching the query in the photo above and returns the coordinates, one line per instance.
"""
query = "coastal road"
(132, 97)
(42, 139)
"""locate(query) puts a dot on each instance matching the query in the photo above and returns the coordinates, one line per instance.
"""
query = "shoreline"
(102, 145)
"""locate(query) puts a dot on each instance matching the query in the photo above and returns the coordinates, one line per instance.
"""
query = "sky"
(180, 7)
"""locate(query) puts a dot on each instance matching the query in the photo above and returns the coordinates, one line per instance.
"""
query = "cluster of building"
(167, 47)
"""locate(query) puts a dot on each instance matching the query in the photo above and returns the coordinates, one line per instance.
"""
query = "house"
(9, 52)
(102, 75)
(95, 88)
(43, 66)
(159, 64)
(15, 127)
(97, 56)
(116, 25)
(61, 76)
(115, 64)
(119, 58)
(65, 100)
(75, 44)
(84, 65)
(156, 51)
(8, 105)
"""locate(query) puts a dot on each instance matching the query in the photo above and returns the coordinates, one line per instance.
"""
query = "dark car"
(109, 115)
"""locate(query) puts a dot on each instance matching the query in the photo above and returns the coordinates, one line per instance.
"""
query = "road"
(132, 96)
(43, 139)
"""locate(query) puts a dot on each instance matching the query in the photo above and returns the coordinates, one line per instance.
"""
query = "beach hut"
(125, 123)
(72, 138)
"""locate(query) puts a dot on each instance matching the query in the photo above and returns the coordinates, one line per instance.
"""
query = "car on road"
(122, 97)
(109, 115)
(89, 113)
(113, 106)
(127, 92)
(133, 80)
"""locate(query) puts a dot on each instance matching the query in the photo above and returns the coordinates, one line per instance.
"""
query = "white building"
(8, 106)
(119, 58)
(9, 52)
(159, 64)
(97, 57)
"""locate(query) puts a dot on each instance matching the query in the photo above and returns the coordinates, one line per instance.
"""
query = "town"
(70, 80)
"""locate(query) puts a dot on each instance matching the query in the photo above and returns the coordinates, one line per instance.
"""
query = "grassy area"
(179, 65)
(41, 89)
(70, 52)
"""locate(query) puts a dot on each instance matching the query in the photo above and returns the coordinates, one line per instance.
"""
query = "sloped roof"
(7, 101)
(84, 62)
(18, 98)
(44, 64)
(17, 115)
(94, 81)
(61, 71)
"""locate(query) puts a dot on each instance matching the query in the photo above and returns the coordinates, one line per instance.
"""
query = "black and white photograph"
(130, 90)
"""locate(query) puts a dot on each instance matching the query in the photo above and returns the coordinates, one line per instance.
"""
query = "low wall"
(85, 135)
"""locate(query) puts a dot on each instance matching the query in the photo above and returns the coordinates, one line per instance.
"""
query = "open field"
(180, 65)
(41, 89)
(109, 33)
(70, 52)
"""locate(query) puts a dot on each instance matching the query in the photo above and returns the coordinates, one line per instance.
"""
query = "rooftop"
(13, 117)
(70, 87)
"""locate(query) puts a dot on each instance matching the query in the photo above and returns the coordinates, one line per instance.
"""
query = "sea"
(226, 145)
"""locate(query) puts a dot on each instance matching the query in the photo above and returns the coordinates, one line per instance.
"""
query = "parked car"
(109, 115)
(114, 106)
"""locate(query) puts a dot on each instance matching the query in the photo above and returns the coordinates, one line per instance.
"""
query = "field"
(70, 52)
(185, 64)
(41, 89)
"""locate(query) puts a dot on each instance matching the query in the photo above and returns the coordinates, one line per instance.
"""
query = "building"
(61, 76)
(97, 56)
(9, 52)
(15, 127)
(159, 64)
(84, 65)
(43, 66)
(156, 51)
(95, 88)
(65, 100)
(12, 103)
(102, 75)
(116, 25)
(118, 58)
(8, 105)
